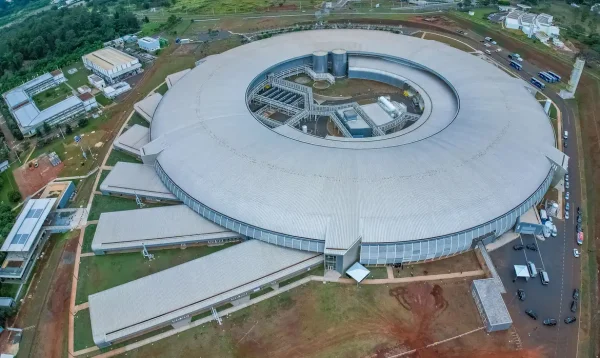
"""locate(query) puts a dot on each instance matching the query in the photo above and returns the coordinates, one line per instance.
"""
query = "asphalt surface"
(555, 254)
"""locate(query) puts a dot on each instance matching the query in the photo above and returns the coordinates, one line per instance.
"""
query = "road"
(555, 254)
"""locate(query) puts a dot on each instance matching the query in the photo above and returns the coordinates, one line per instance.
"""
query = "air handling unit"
(340, 63)
(319, 61)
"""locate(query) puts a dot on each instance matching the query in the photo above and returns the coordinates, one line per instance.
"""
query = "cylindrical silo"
(319, 61)
(340, 62)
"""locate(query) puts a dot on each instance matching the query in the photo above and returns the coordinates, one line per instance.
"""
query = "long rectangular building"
(156, 227)
(132, 179)
(173, 296)
(111, 64)
(24, 241)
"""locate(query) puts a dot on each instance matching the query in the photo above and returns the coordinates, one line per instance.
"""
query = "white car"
(566, 195)
(575, 252)
(487, 45)
(566, 215)
(498, 50)
(520, 59)
(488, 52)
(494, 43)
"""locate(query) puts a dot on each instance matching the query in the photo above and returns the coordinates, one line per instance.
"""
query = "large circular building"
(389, 184)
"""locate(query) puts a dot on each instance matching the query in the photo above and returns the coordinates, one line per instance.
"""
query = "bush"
(14, 196)
(68, 129)
(82, 122)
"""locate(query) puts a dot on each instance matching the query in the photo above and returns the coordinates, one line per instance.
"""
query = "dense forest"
(9, 8)
(57, 37)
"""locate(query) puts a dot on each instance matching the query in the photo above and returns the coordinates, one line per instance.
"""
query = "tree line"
(56, 38)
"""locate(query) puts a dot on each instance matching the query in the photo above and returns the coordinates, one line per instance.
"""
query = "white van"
(532, 269)
(544, 277)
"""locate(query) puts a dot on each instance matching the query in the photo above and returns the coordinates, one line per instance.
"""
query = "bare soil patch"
(31, 179)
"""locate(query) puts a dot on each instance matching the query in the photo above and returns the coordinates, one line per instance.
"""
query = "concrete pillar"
(240, 301)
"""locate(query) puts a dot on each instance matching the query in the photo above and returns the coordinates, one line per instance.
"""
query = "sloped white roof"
(133, 139)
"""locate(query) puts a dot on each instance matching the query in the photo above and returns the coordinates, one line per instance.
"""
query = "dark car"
(532, 247)
(565, 144)
(579, 219)
(578, 227)
(521, 294)
(549, 322)
(570, 320)
(531, 314)
(578, 210)
(574, 306)
(576, 294)
(518, 247)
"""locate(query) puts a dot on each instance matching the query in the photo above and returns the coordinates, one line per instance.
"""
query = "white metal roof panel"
(133, 178)
(147, 106)
(15, 97)
(442, 175)
(129, 229)
(133, 139)
(157, 299)
(28, 225)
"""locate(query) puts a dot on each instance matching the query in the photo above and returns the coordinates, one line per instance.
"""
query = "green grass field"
(83, 331)
(88, 236)
(137, 119)
(8, 184)
(79, 78)
(449, 41)
(377, 272)
(119, 156)
(106, 203)
(163, 89)
(103, 100)
(99, 273)
(52, 96)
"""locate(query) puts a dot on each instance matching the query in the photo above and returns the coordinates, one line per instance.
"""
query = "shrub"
(14, 196)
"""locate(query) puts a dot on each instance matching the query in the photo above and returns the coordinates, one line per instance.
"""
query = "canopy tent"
(358, 272)
(521, 271)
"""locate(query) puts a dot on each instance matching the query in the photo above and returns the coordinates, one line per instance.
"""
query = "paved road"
(555, 254)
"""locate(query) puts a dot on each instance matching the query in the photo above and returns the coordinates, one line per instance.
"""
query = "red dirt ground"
(30, 180)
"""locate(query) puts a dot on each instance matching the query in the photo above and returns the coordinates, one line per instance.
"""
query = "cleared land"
(459, 263)
(99, 273)
(334, 320)
(52, 96)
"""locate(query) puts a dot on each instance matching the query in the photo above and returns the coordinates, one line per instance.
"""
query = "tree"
(14, 196)
(467, 3)
(38, 132)
(82, 122)
(47, 128)
(146, 19)
(68, 129)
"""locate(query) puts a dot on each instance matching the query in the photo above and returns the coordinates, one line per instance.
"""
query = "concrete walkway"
(82, 306)
(390, 272)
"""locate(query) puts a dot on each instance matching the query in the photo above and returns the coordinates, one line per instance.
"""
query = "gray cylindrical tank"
(319, 61)
(340, 63)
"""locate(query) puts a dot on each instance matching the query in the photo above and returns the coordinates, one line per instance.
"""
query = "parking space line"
(524, 249)
(539, 252)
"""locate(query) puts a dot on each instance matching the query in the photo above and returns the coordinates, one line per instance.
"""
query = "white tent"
(358, 272)
(521, 271)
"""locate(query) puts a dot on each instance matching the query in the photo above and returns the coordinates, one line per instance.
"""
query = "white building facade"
(149, 44)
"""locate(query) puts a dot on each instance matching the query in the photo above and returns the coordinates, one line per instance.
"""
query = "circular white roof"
(448, 174)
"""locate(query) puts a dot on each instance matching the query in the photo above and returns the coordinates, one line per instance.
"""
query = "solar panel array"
(20, 239)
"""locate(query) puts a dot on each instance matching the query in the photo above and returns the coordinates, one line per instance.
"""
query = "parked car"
(488, 52)
(575, 252)
(574, 306)
(494, 42)
(579, 228)
(566, 185)
(532, 247)
(521, 294)
(549, 322)
(569, 320)
(566, 195)
(531, 314)
(566, 177)
(578, 210)
(576, 294)
(498, 50)
(565, 144)
(566, 215)
(579, 219)
(567, 206)
(518, 247)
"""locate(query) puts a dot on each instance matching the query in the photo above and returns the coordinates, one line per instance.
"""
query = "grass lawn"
(162, 89)
(88, 236)
(99, 273)
(150, 28)
(83, 331)
(119, 156)
(103, 175)
(335, 320)
(101, 98)
(316, 271)
(377, 272)
(137, 119)
(79, 78)
(106, 204)
(8, 184)
(52, 96)
(449, 41)
(9, 290)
